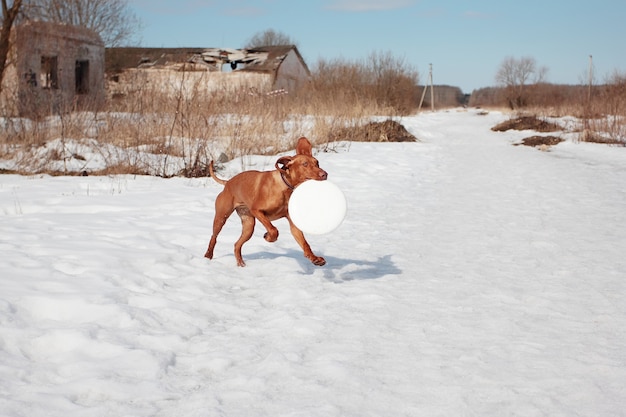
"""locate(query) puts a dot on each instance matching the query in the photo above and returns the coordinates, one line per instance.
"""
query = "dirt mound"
(527, 123)
(387, 131)
(541, 140)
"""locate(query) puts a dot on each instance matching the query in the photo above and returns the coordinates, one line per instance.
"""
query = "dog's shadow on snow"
(340, 269)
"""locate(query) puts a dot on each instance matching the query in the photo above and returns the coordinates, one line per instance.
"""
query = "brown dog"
(265, 196)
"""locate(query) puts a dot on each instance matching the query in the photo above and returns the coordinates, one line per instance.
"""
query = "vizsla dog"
(265, 196)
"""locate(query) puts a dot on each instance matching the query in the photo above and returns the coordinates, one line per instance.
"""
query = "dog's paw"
(271, 236)
(318, 261)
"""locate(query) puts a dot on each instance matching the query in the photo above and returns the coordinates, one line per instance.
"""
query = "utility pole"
(432, 92)
(590, 77)
(586, 125)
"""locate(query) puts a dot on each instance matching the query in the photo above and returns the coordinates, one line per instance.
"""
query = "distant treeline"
(535, 95)
(443, 95)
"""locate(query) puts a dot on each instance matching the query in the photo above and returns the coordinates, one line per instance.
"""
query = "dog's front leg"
(308, 253)
(272, 232)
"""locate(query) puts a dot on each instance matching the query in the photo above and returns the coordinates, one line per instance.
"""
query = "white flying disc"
(317, 207)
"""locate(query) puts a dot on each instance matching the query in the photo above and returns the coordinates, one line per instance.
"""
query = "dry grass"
(601, 108)
(142, 130)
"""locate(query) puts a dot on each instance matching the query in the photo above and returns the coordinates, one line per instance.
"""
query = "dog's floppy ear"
(303, 147)
(283, 163)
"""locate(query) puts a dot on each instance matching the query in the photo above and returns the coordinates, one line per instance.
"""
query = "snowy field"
(470, 278)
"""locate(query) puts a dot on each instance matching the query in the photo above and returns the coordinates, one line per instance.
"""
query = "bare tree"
(269, 37)
(515, 74)
(10, 10)
(394, 81)
(111, 19)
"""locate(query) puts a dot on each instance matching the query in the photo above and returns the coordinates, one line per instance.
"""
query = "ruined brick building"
(53, 68)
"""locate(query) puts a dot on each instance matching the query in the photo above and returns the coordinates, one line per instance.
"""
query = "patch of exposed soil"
(540, 140)
(527, 123)
(387, 131)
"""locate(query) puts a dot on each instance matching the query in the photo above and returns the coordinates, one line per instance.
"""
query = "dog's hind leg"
(247, 229)
(223, 210)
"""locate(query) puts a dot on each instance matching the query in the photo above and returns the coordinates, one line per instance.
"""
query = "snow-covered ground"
(470, 278)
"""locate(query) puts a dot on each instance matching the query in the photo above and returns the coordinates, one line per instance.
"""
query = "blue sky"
(464, 40)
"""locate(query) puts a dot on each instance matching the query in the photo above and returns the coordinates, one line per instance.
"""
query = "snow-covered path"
(530, 246)
(471, 277)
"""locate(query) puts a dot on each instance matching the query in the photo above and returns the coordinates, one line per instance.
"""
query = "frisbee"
(317, 207)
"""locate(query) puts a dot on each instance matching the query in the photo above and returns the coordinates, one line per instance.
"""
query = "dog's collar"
(291, 187)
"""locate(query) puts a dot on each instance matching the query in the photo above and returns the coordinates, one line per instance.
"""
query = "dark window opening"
(49, 77)
(82, 77)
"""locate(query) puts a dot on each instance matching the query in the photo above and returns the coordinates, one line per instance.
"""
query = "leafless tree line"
(382, 79)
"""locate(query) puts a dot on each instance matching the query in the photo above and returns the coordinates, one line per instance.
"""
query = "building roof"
(275, 56)
(259, 59)
(119, 59)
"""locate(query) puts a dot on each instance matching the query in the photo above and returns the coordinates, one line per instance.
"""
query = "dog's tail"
(212, 173)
